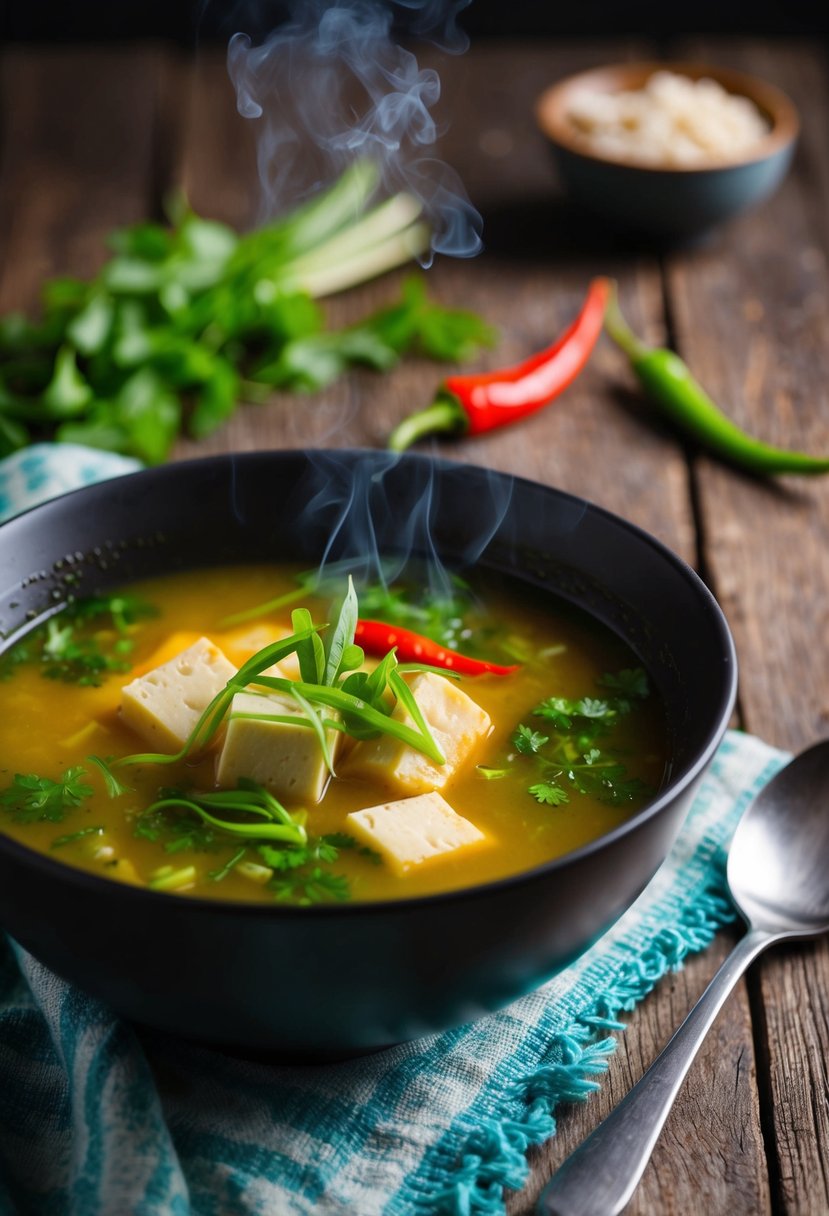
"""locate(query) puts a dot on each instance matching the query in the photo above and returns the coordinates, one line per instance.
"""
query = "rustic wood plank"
(77, 159)
(752, 318)
(753, 321)
(217, 166)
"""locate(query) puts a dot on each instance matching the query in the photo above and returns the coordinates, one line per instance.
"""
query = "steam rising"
(380, 526)
(331, 85)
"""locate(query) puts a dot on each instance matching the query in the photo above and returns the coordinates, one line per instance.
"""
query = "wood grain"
(77, 160)
(763, 283)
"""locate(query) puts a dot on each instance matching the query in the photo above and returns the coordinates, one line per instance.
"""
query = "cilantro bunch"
(185, 321)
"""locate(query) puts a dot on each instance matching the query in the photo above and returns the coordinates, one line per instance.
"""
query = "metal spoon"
(778, 873)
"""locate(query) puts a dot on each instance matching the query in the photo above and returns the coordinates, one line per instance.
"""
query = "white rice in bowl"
(672, 121)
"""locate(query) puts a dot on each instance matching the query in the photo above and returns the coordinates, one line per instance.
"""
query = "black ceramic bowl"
(344, 978)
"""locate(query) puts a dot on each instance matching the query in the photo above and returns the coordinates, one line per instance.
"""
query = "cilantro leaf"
(30, 798)
(527, 741)
(289, 858)
(557, 710)
(549, 794)
(77, 646)
(177, 834)
(316, 887)
(631, 682)
(569, 757)
(591, 707)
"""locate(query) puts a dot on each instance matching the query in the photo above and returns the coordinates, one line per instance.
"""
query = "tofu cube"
(164, 705)
(413, 831)
(457, 724)
(284, 757)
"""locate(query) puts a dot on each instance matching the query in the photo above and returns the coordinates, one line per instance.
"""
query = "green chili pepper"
(669, 382)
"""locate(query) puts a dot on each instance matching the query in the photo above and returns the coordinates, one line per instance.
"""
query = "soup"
(201, 734)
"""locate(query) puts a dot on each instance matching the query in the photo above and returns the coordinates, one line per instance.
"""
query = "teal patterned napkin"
(45, 470)
(98, 1117)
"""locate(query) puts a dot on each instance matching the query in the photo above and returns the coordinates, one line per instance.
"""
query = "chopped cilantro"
(315, 887)
(557, 710)
(77, 646)
(590, 707)
(631, 683)
(176, 833)
(180, 823)
(30, 798)
(577, 754)
(14, 658)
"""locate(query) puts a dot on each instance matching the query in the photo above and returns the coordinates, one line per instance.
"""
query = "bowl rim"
(205, 905)
(776, 105)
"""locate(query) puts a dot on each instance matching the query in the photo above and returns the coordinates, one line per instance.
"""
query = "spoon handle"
(599, 1178)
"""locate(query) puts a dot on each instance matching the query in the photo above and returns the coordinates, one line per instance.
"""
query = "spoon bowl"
(778, 865)
(778, 875)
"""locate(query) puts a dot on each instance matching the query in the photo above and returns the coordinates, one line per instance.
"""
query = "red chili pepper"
(473, 404)
(378, 638)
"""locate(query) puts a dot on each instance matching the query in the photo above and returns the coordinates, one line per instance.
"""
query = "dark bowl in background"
(336, 979)
(667, 204)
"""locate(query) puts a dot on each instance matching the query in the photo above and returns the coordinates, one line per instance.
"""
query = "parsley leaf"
(30, 798)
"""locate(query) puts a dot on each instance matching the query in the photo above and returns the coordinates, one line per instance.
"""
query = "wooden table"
(92, 139)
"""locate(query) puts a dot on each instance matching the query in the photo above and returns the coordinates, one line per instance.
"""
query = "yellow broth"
(48, 726)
